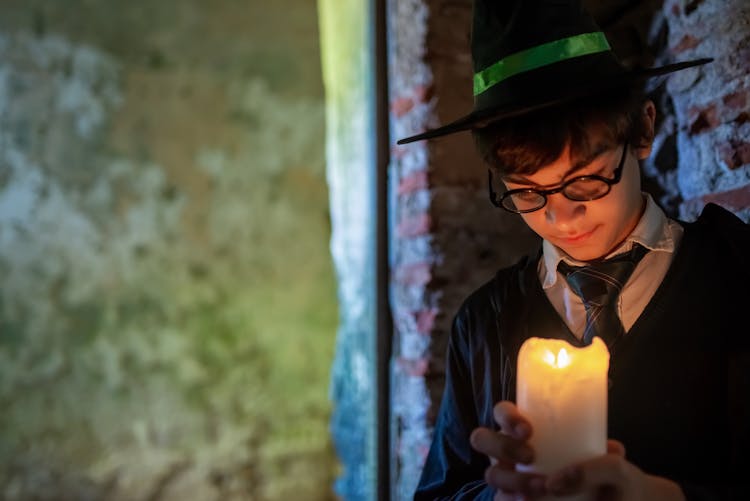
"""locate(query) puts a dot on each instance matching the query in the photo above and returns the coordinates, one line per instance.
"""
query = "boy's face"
(587, 230)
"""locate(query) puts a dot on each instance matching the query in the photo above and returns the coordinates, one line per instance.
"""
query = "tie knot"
(600, 282)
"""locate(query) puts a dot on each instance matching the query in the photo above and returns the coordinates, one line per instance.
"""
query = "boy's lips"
(578, 237)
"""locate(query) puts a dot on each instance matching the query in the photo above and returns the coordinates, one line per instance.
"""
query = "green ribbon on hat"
(541, 55)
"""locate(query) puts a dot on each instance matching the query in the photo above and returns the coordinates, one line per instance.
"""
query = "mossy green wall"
(167, 303)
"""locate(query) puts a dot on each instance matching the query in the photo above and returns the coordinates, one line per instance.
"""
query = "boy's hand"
(612, 478)
(505, 449)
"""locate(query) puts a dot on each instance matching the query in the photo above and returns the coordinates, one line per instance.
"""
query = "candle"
(562, 390)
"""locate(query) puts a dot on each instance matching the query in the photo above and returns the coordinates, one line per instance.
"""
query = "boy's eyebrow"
(580, 164)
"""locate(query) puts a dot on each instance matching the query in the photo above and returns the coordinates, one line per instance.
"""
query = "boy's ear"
(648, 116)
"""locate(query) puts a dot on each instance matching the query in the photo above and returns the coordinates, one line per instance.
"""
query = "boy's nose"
(560, 211)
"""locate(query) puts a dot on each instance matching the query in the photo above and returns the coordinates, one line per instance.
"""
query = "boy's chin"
(587, 252)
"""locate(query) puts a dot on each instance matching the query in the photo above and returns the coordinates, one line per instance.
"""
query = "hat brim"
(479, 119)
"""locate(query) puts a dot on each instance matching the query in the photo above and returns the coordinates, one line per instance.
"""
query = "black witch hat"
(532, 54)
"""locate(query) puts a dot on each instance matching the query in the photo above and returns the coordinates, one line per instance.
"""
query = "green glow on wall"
(168, 304)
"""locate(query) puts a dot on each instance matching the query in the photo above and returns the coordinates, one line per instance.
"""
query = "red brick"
(734, 200)
(401, 106)
(702, 119)
(736, 100)
(685, 43)
(735, 153)
(414, 366)
(413, 182)
(423, 93)
(414, 274)
(414, 226)
(426, 320)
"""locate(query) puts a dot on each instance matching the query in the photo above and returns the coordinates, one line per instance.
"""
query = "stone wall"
(710, 127)
(448, 239)
(167, 306)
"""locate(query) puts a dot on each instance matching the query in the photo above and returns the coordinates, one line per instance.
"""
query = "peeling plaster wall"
(167, 304)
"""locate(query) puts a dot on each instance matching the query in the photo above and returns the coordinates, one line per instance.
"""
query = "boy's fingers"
(505, 449)
(511, 421)
(608, 470)
(566, 481)
(511, 481)
(507, 496)
(615, 447)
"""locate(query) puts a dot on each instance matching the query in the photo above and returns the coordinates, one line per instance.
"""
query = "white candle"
(562, 390)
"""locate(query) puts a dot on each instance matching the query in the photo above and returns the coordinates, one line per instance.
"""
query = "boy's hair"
(524, 144)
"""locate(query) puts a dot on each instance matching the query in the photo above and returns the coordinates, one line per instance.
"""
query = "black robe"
(680, 378)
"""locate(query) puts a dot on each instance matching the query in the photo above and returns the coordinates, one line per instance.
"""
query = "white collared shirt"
(654, 231)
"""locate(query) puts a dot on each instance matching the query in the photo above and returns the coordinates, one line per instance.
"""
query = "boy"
(563, 126)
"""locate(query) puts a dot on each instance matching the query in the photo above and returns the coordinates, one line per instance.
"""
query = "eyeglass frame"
(498, 202)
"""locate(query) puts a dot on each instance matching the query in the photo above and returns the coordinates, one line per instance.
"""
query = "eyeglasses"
(578, 189)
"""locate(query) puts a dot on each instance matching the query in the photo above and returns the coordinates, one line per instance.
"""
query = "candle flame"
(549, 357)
(563, 359)
(560, 361)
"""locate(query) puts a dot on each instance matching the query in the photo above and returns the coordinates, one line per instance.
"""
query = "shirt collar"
(652, 231)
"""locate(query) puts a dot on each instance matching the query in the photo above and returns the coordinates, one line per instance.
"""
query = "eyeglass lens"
(581, 190)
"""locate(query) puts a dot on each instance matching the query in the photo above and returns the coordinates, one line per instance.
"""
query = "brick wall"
(712, 104)
(447, 238)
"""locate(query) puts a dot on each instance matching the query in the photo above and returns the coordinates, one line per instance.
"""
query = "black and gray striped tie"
(599, 284)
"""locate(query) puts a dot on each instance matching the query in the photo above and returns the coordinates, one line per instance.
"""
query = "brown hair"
(523, 145)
